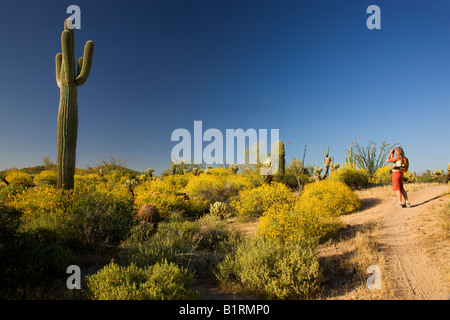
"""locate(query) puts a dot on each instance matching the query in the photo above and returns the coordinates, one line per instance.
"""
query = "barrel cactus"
(149, 213)
(68, 79)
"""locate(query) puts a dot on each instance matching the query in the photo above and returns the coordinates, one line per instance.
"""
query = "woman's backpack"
(405, 164)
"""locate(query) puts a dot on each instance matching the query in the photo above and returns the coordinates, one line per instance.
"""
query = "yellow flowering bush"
(254, 201)
(216, 187)
(88, 178)
(382, 175)
(179, 181)
(167, 198)
(17, 177)
(44, 200)
(354, 178)
(315, 215)
(327, 195)
(46, 177)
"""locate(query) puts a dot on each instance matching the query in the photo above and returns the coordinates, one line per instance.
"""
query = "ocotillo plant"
(68, 79)
(282, 158)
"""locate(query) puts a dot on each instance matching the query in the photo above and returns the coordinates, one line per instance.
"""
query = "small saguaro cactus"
(68, 79)
(350, 160)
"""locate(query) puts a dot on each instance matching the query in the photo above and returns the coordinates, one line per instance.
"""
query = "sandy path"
(408, 267)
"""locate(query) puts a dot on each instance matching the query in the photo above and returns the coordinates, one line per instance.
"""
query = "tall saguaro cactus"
(68, 80)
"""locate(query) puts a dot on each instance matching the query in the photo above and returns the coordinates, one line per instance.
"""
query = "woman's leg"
(399, 195)
(404, 194)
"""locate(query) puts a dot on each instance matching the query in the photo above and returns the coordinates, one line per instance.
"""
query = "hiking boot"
(407, 204)
(399, 204)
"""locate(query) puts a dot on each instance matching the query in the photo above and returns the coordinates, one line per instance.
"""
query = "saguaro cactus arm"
(67, 56)
(85, 63)
(58, 62)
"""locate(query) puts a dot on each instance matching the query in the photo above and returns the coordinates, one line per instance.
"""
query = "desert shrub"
(96, 218)
(38, 201)
(171, 241)
(179, 181)
(216, 187)
(161, 281)
(167, 199)
(86, 216)
(174, 240)
(289, 225)
(314, 217)
(29, 258)
(354, 178)
(17, 177)
(9, 191)
(383, 175)
(271, 270)
(330, 196)
(91, 178)
(210, 232)
(253, 202)
(46, 177)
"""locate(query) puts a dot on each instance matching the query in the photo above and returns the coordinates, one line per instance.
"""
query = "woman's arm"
(393, 159)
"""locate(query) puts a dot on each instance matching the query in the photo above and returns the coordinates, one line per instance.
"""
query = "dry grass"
(345, 259)
(434, 233)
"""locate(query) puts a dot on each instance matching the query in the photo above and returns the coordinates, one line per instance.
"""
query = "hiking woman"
(396, 157)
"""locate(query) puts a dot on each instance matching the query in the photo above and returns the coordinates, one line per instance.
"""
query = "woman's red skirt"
(397, 180)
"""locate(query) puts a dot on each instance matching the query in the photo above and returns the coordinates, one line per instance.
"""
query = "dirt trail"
(408, 267)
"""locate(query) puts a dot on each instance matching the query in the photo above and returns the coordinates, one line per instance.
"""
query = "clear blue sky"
(311, 69)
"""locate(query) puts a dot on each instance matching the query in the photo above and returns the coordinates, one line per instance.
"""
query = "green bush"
(161, 281)
(354, 178)
(17, 177)
(271, 270)
(99, 219)
(29, 256)
(46, 177)
(173, 240)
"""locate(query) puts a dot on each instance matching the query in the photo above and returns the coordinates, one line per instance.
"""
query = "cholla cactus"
(68, 79)
(148, 174)
(234, 168)
(318, 171)
(195, 171)
(100, 172)
(130, 184)
(335, 166)
(218, 209)
(174, 167)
